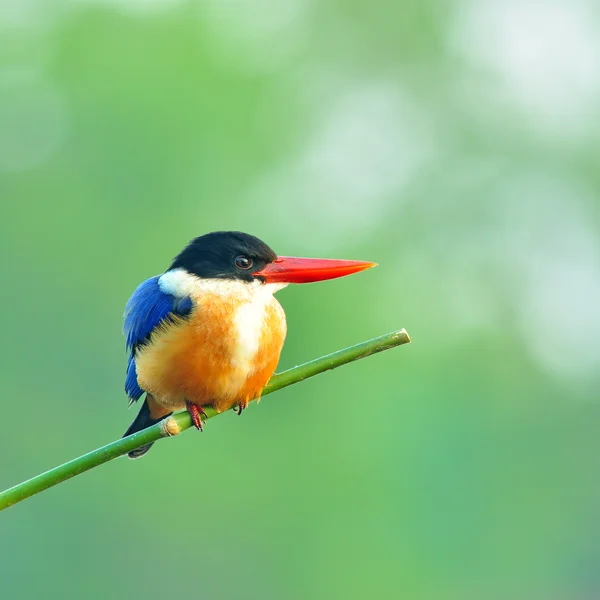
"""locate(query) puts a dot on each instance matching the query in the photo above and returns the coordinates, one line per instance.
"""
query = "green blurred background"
(455, 142)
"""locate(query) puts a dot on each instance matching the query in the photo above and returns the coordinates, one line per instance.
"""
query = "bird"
(209, 330)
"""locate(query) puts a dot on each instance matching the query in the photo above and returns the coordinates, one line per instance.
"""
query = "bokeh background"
(455, 142)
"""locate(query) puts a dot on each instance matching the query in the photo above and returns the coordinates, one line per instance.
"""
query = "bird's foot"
(240, 407)
(196, 412)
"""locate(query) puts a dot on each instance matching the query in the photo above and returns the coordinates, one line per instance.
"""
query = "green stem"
(181, 421)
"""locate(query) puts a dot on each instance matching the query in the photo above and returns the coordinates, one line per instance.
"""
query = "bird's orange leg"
(196, 412)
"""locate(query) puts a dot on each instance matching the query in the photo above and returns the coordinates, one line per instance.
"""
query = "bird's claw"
(196, 413)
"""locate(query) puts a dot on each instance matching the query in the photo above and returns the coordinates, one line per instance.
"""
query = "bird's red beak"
(290, 269)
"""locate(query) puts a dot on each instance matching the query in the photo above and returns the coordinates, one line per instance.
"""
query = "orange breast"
(222, 355)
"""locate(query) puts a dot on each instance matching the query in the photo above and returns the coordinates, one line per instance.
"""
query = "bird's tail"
(150, 413)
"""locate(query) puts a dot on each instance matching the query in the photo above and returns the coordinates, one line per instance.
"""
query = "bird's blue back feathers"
(147, 308)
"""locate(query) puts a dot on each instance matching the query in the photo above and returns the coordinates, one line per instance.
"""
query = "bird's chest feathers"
(225, 351)
(243, 323)
(249, 322)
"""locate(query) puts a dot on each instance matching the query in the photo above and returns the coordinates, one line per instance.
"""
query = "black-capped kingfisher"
(209, 331)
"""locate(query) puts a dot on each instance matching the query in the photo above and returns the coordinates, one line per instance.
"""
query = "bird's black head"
(224, 255)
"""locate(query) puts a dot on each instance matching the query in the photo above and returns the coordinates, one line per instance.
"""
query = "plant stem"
(181, 421)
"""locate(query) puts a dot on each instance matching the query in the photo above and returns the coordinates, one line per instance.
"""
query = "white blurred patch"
(22, 14)
(27, 39)
(527, 259)
(365, 147)
(134, 7)
(558, 250)
(543, 56)
(264, 34)
(33, 120)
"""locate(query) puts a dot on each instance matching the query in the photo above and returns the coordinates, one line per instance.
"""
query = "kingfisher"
(209, 331)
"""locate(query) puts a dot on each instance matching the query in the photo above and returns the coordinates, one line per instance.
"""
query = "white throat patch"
(249, 321)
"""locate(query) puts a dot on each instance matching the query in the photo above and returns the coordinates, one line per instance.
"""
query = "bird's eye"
(243, 262)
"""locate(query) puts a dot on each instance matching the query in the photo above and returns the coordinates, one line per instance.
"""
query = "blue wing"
(147, 308)
(133, 390)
